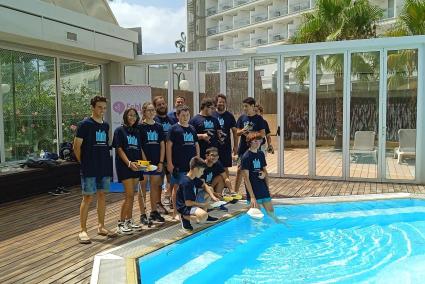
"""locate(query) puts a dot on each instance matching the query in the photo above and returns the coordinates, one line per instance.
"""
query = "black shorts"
(124, 173)
(184, 210)
(225, 155)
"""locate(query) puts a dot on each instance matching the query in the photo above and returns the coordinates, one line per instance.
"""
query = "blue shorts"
(91, 185)
(176, 178)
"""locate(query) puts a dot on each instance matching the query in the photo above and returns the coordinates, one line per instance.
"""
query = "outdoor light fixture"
(183, 84)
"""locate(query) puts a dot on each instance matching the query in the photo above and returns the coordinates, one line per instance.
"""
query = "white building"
(233, 24)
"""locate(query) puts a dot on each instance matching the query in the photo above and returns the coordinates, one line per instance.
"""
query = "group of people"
(194, 154)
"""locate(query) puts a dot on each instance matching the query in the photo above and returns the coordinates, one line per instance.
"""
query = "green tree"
(411, 20)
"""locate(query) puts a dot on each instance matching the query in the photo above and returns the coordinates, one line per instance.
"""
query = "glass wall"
(158, 80)
(402, 84)
(296, 115)
(364, 114)
(209, 80)
(236, 85)
(184, 83)
(265, 94)
(79, 82)
(28, 104)
(329, 114)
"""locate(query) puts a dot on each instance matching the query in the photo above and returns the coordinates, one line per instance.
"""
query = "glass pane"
(402, 82)
(184, 83)
(29, 104)
(296, 113)
(236, 85)
(158, 80)
(79, 83)
(265, 94)
(329, 114)
(135, 75)
(209, 80)
(364, 114)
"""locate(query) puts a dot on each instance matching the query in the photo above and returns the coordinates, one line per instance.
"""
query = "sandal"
(83, 238)
(106, 233)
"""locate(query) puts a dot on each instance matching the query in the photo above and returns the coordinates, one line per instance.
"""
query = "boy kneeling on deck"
(191, 199)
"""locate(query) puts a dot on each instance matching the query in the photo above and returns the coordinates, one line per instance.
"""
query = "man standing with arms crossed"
(91, 148)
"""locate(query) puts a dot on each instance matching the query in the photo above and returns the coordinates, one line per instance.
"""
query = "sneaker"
(161, 209)
(123, 229)
(211, 219)
(155, 216)
(63, 190)
(130, 224)
(145, 221)
(56, 192)
(167, 200)
(186, 224)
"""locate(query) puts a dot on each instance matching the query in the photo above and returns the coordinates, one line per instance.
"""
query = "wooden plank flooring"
(38, 238)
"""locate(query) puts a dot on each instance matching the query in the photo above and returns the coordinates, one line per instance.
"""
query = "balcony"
(226, 46)
(277, 37)
(243, 2)
(242, 44)
(278, 12)
(259, 41)
(212, 31)
(212, 48)
(260, 17)
(211, 11)
(241, 23)
(225, 6)
(225, 27)
(297, 7)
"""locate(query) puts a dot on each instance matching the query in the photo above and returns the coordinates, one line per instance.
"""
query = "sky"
(162, 21)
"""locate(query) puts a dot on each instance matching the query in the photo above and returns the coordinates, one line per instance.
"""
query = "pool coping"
(122, 260)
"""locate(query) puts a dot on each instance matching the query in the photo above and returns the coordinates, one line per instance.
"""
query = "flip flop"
(83, 238)
(106, 233)
(228, 198)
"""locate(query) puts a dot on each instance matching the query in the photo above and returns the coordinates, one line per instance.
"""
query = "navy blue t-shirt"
(184, 145)
(256, 123)
(187, 190)
(96, 160)
(152, 136)
(130, 141)
(206, 124)
(172, 115)
(166, 123)
(267, 129)
(254, 163)
(227, 122)
(211, 172)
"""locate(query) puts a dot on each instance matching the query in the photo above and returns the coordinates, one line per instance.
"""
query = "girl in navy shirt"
(154, 151)
(254, 172)
(128, 145)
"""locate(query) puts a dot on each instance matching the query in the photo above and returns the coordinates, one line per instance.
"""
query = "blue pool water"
(356, 242)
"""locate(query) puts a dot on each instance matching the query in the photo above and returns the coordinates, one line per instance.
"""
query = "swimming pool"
(350, 242)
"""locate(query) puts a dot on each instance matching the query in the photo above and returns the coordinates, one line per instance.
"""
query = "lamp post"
(182, 83)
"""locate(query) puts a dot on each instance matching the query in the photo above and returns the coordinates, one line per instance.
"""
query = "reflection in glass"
(329, 114)
(28, 96)
(236, 85)
(135, 74)
(402, 79)
(158, 80)
(79, 83)
(184, 83)
(265, 94)
(296, 114)
(364, 113)
(209, 80)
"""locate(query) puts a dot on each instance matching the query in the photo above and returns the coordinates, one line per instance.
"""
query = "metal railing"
(259, 41)
(300, 6)
(242, 43)
(278, 12)
(241, 23)
(225, 27)
(277, 37)
(212, 30)
(225, 6)
(260, 17)
(212, 10)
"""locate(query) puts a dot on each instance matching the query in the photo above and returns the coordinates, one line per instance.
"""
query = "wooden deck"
(38, 239)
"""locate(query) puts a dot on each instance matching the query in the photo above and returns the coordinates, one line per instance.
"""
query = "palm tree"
(411, 20)
(181, 43)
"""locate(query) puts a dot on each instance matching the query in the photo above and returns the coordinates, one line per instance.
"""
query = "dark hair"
(181, 108)
(181, 97)
(125, 116)
(197, 162)
(97, 99)
(220, 96)
(157, 98)
(253, 136)
(260, 108)
(206, 102)
(211, 150)
(249, 100)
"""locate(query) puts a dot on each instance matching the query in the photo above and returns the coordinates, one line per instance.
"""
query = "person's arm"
(265, 176)
(169, 147)
(132, 165)
(245, 174)
(144, 156)
(227, 181)
(77, 148)
(203, 136)
(235, 140)
(262, 133)
(198, 150)
(161, 156)
(210, 191)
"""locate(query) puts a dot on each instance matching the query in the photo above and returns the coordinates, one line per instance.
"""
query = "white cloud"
(161, 27)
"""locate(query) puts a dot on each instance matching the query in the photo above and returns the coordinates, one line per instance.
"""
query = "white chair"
(364, 143)
(407, 144)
